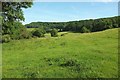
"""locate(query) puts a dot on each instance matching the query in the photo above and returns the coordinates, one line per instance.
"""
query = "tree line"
(91, 25)
(12, 28)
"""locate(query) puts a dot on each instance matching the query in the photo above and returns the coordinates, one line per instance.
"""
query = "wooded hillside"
(91, 25)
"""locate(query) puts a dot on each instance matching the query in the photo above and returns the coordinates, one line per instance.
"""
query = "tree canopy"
(11, 13)
(91, 25)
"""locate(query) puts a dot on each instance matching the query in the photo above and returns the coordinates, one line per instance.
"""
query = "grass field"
(75, 55)
(31, 29)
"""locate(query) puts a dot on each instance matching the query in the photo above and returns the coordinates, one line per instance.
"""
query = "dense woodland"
(82, 26)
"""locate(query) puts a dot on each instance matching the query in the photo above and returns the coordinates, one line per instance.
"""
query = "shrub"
(115, 25)
(85, 30)
(24, 34)
(54, 33)
(6, 38)
(39, 32)
(19, 32)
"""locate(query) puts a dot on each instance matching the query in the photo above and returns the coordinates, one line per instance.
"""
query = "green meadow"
(74, 55)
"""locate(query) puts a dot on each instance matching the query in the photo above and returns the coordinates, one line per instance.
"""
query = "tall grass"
(74, 55)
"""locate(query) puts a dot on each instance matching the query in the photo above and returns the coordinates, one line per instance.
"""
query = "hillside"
(74, 55)
(91, 25)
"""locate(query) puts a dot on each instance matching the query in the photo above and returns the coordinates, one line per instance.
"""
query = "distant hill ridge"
(91, 25)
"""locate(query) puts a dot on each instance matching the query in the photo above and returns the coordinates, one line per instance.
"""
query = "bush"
(19, 32)
(85, 30)
(6, 38)
(24, 34)
(54, 33)
(115, 25)
(39, 32)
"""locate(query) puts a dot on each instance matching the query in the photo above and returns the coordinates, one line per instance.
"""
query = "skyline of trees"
(91, 25)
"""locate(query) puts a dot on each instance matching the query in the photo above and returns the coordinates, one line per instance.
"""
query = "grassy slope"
(31, 29)
(73, 55)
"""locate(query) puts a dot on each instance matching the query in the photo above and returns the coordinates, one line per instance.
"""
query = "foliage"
(12, 12)
(24, 34)
(54, 32)
(19, 31)
(6, 38)
(39, 32)
(92, 25)
(85, 30)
